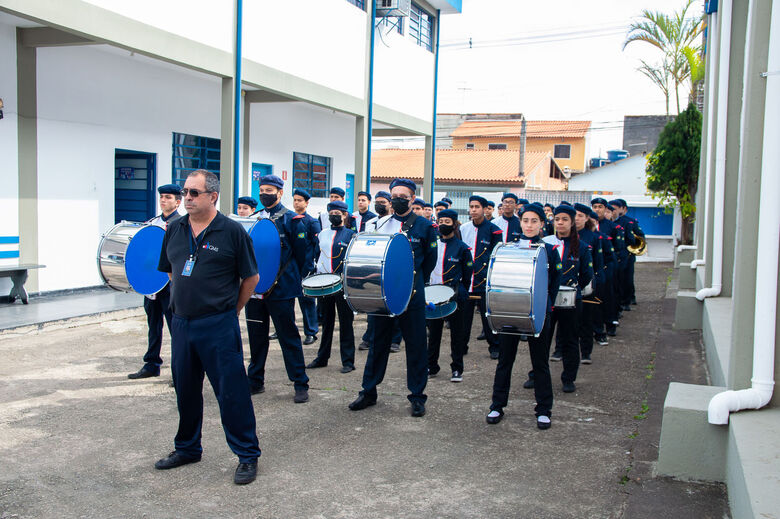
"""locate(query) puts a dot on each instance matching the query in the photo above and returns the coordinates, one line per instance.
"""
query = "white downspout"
(720, 154)
(764, 339)
(714, 53)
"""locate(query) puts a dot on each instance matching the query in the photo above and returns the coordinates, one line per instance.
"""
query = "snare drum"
(379, 273)
(566, 298)
(516, 294)
(439, 301)
(128, 255)
(246, 221)
(318, 285)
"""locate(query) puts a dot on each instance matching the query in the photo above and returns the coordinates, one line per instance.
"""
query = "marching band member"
(332, 249)
(590, 303)
(246, 206)
(422, 237)
(363, 214)
(489, 209)
(440, 206)
(481, 236)
(428, 212)
(417, 206)
(454, 267)
(278, 304)
(521, 203)
(577, 272)
(447, 201)
(614, 235)
(531, 219)
(336, 193)
(633, 229)
(549, 221)
(157, 306)
(508, 222)
(312, 226)
(602, 292)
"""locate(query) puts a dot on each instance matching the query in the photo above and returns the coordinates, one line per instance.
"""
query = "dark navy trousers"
(457, 340)
(156, 310)
(567, 343)
(368, 335)
(412, 323)
(330, 305)
(258, 314)
(309, 311)
(212, 345)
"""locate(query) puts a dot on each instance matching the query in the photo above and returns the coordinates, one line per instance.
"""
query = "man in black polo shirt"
(212, 267)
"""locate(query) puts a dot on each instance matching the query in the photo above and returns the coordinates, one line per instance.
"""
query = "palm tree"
(660, 76)
(695, 65)
(670, 35)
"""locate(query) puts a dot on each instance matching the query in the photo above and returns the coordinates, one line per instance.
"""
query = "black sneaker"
(273, 337)
(143, 373)
(457, 376)
(301, 396)
(245, 473)
(569, 387)
(257, 390)
(556, 357)
(432, 373)
(494, 354)
(174, 460)
(528, 384)
(586, 359)
(543, 422)
(602, 339)
(395, 348)
(364, 346)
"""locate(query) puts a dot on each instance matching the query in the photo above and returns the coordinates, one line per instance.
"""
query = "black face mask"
(381, 209)
(267, 199)
(400, 205)
(335, 219)
(446, 229)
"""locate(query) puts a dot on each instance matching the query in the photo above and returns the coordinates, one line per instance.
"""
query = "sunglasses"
(194, 192)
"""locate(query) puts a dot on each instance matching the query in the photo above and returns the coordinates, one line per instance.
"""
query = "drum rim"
(438, 286)
(338, 280)
(249, 233)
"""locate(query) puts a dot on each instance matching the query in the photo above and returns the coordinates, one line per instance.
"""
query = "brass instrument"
(641, 245)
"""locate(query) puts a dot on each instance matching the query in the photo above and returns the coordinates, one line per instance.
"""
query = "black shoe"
(556, 357)
(494, 354)
(395, 348)
(626, 308)
(543, 422)
(569, 387)
(142, 373)
(433, 373)
(273, 337)
(361, 402)
(245, 473)
(418, 409)
(586, 360)
(481, 336)
(612, 333)
(301, 396)
(602, 339)
(457, 376)
(347, 369)
(310, 339)
(174, 460)
(316, 363)
(257, 390)
(528, 384)
(364, 346)
(492, 420)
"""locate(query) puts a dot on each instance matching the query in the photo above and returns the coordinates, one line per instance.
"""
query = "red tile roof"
(511, 128)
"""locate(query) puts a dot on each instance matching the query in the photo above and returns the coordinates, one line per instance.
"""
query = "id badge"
(188, 266)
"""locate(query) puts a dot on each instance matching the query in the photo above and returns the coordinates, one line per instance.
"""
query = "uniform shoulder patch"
(469, 264)
(433, 244)
(301, 235)
(559, 266)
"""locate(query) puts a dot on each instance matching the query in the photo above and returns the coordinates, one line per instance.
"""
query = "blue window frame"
(312, 173)
(191, 152)
(421, 27)
(358, 3)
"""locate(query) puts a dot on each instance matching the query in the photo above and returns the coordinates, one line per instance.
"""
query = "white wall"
(90, 102)
(323, 41)
(279, 129)
(9, 165)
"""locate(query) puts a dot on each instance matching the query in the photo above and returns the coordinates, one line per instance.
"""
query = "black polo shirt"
(223, 257)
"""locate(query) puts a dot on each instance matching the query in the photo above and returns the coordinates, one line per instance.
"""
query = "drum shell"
(111, 257)
(246, 221)
(566, 298)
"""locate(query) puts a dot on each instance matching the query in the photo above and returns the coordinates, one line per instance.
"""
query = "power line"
(548, 37)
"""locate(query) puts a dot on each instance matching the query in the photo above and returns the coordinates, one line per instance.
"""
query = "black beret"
(566, 209)
(405, 182)
(365, 194)
(441, 203)
(445, 199)
(583, 208)
(272, 180)
(535, 208)
(418, 201)
(523, 201)
(247, 200)
(509, 195)
(383, 194)
(491, 203)
(601, 201)
(616, 203)
(549, 205)
(302, 193)
(448, 213)
(337, 191)
(169, 189)
(338, 205)
(479, 199)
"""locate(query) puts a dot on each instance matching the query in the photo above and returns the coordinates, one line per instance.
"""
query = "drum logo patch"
(370, 242)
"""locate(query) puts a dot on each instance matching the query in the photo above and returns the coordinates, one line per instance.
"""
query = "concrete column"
(748, 193)
(699, 227)
(226, 177)
(361, 156)
(430, 146)
(27, 125)
(708, 187)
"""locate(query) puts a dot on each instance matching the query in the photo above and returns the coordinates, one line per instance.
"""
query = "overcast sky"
(551, 59)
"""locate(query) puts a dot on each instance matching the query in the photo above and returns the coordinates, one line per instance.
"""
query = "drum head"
(141, 259)
(321, 280)
(539, 304)
(398, 274)
(438, 294)
(268, 253)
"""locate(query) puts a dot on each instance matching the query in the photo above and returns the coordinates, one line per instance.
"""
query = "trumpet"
(640, 247)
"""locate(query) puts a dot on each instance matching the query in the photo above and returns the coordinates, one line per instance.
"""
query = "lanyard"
(195, 244)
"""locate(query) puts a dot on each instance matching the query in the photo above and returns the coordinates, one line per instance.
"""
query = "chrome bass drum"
(516, 293)
(379, 273)
(128, 255)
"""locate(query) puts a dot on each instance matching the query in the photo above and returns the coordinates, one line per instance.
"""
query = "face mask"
(335, 219)
(381, 209)
(267, 199)
(446, 229)
(400, 205)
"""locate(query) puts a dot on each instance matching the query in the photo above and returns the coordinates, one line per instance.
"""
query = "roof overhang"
(447, 6)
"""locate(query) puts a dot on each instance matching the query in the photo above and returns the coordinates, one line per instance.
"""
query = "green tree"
(673, 167)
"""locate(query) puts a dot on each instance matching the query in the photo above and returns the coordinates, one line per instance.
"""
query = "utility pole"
(522, 146)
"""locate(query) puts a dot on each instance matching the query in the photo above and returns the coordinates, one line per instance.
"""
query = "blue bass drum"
(379, 273)
(128, 255)
(268, 253)
(516, 294)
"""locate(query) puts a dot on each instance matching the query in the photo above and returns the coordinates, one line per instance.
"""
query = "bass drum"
(516, 294)
(379, 274)
(128, 255)
(268, 253)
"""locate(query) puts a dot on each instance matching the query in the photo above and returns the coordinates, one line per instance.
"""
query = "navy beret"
(302, 193)
(337, 191)
(383, 194)
(534, 208)
(565, 209)
(428, 205)
(272, 180)
(582, 208)
(247, 200)
(479, 199)
(418, 201)
(601, 201)
(523, 201)
(566, 202)
(616, 203)
(622, 202)
(448, 213)
(365, 194)
(610, 207)
(491, 203)
(441, 203)
(169, 189)
(445, 199)
(337, 205)
(510, 195)
(549, 205)
(404, 182)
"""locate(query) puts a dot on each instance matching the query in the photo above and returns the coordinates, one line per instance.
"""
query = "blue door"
(135, 183)
(350, 191)
(259, 170)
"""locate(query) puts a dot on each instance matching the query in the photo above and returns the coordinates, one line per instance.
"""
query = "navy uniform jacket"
(554, 268)
(510, 227)
(312, 226)
(577, 272)
(454, 266)
(549, 228)
(610, 256)
(597, 255)
(332, 249)
(292, 233)
(361, 219)
(628, 227)
(617, 235)
(481, 239)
